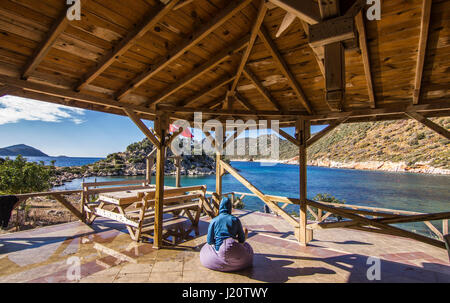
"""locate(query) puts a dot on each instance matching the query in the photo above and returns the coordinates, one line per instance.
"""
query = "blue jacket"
(224, 226)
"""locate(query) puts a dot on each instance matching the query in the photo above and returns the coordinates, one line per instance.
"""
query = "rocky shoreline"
(386, 166)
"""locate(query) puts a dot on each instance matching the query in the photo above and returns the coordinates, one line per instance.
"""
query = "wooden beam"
(58, 26)
(424, 28)
(148, 23)
(224, 15)
(325, 131)
(318, 52)
(330, 31)
(199, 71)
(182, 4)
(287, 136)
(282, 65)
(69, 206)
(209, 89)
(254, 34)
(359, 20)
(70, 94)
(244, 102)
(260, 88)
(305, 10)
(142, 127)
(430, 124)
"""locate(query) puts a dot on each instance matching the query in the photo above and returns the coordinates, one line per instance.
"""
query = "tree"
(19, 176)
(330, 199)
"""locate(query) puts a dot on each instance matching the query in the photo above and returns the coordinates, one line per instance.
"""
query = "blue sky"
(59, 130)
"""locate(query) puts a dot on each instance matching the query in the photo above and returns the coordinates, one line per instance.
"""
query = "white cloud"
(15, 109)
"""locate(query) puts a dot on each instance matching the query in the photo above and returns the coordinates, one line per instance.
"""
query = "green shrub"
(19, 176)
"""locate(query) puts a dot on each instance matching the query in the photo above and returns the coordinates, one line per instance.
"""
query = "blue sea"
(402, 191)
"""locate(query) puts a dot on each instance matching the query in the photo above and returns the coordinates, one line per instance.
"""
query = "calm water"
(60, 161)
(403, 191)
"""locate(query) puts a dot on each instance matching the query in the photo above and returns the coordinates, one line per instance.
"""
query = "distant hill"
(403, 145)
(21, 149)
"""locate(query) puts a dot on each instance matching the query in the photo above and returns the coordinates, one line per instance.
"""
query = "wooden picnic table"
(134, 207)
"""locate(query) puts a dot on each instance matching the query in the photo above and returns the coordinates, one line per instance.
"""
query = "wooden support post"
(161, 126)
(335, 75)
(303, 134)
(445, 227)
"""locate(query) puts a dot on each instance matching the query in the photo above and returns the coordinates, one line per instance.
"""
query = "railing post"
(445, 227)
(219, 173)
(178, 173)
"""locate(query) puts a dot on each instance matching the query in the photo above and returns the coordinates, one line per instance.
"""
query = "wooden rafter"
(287, 136)
(244, 102)
(305, 10)
(199, 71)
(260, 88)
(209, 89)
(359, 20)
(142, 127)
(282, 65)
(424, 28)
(184, 46)
(182, 4)
(430, 124)
(254, 34)
(148, 23)
(318, 52)
(59, 25)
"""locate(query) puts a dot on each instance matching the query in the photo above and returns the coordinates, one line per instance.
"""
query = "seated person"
(223, 252)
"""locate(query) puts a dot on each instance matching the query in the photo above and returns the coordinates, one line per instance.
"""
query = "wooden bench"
(91, 191)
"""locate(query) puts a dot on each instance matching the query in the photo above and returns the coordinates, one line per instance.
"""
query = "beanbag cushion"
(232, 256)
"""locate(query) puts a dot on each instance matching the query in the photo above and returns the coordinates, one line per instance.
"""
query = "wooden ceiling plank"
(182, 47)
(262, 90)
(282, 65)
(359, 20)
(254, 34)
(149, 22)
(428, 123)
(46, 44)
(424, 28)
(199, 71)
(305, 10)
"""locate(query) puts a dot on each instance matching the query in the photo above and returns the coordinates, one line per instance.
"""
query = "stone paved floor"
(106, 253)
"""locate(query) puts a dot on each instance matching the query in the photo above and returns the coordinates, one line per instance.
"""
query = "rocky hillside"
(132, 162)
(402, 145)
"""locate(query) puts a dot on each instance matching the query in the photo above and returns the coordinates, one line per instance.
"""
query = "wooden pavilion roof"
(246, 59)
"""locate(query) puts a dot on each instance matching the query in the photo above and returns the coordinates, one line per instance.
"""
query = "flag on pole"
(186, 132)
